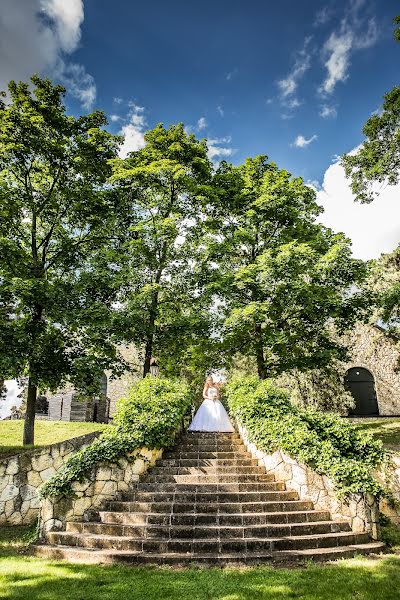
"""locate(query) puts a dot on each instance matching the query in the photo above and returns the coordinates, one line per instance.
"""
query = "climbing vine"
(323, 441)
(148, 417)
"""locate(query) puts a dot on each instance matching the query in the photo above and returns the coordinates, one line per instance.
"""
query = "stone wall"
(361, 512)
(371, 349)
(391, 478)
(104, 483)
(22, 474)
(118, 388)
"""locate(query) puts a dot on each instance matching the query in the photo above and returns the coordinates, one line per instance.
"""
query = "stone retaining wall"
(105, 482)
(361, 511)
(22, 474)
(391, 478)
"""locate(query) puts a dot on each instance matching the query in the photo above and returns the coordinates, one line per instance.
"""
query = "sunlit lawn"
(46, 432)
(27, 578)
(385, 429)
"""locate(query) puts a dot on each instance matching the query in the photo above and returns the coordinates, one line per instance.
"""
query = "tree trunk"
(261, 366)
(29, 424)
(147, 355)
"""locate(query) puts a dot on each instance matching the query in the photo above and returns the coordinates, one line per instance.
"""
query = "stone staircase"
(207, 501)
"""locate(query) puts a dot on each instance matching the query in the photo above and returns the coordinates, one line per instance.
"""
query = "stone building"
(372, 374)
(69, 405)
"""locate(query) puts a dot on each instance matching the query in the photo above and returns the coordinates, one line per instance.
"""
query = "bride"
(211, 415)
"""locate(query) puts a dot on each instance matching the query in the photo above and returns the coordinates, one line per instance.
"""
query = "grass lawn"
(27, 578)
(46, 432)
(385, 429)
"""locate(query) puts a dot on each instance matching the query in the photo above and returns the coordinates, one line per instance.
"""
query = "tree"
(166, 184)
(377, 160)
(384, 282)
(283, 279)
(56, 242)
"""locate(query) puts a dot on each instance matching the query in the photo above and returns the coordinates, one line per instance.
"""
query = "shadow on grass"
(24, 578)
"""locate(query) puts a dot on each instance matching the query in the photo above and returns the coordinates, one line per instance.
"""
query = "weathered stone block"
(13, 466)
(9, 492)
(42, 462)
(47, 473)
(28, 492)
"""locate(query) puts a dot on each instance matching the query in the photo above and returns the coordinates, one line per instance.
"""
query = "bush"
(150, 416)
(323, 441)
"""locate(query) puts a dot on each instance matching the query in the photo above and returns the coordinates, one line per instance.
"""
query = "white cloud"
(302, 142)
(36, 36)
(221, 111)
(117, 100)
(289, 84)
(323, 16)
(231, 74)
(373, 228)
(356, 32)
(78, 83)
(133, 130)
(328, 112)
(201, 123)
(216, 151)
(115, 118)
(12, 398)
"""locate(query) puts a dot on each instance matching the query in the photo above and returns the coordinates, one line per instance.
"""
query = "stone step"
(209, 545)
(225, 447)
(211, 470)
(94, 556)
(210, 462)
(210, 435)
(206, 454)
(201, 487)
(200, 478)
(202, 496)
(193, 519)
(200, 532)
(210, 507)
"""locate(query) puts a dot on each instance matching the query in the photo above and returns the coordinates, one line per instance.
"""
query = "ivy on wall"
(323, 441)
(149, 417)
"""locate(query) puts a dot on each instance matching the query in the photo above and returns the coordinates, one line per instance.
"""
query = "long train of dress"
(211, 416)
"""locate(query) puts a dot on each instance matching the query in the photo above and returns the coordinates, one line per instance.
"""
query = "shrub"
(149, 416)
(323, 441)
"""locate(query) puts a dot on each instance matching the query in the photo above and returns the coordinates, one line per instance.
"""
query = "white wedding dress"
(211, 415)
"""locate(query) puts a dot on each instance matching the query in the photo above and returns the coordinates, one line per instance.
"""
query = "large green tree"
(166, 185)
(281, 279)
(376, 162)
(57, 242)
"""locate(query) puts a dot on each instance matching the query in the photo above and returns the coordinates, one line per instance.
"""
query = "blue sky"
(223, 60)
(293, 80)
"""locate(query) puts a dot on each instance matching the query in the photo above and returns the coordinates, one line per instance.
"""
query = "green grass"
(46, 432)
(385, 429)
(27, 578)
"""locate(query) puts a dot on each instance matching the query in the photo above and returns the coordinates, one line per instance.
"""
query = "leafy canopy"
(57, 219)
(281, 278)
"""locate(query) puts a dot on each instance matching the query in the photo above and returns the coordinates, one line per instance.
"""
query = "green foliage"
(165, 185)
(384, 281)
(281, 278)
(377, 160)
(149, 417)
(57, 242)
(323, 389)
(323, 441)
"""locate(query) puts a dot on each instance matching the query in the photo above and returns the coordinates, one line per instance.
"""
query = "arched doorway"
(360, 382)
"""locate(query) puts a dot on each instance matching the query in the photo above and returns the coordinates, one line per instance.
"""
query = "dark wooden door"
(360, 382)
